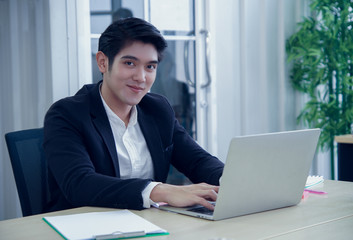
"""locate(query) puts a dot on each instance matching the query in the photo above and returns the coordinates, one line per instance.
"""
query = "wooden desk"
(348, 138)
(317, 216)
(337, 229)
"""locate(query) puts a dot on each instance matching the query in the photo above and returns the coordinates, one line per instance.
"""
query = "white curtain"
(39, 63)
(252, 92)
(25, 85)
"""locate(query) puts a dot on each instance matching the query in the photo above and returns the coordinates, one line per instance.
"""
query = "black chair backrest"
(29, 168)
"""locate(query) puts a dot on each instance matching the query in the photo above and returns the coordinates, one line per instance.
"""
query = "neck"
(123, 111)
(125, 118)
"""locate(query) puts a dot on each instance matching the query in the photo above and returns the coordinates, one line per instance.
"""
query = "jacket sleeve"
(80, 166)
(192, 160)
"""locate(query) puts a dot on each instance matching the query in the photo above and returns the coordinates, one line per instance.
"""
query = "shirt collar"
(113, 117)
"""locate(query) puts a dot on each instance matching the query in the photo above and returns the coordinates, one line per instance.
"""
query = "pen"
(116, 235)
(314, 191)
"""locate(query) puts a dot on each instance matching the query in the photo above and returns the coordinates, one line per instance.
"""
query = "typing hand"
(183, 196)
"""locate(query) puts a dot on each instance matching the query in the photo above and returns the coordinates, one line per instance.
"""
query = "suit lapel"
(101, 122)
(154, 143)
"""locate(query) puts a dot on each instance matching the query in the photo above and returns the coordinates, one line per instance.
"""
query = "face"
(131, 75)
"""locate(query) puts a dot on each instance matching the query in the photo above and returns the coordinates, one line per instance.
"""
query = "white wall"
(70, 46)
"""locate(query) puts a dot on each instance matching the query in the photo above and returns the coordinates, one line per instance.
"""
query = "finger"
(209, 195)
(202, 186)
(216, 189)
(212, 187)
(206, 204)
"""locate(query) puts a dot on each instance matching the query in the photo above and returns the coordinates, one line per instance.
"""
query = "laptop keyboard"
(201, 209)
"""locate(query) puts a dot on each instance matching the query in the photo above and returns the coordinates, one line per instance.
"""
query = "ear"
(102, 62)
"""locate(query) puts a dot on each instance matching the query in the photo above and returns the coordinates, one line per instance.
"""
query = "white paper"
(313, 180)
(87, 225)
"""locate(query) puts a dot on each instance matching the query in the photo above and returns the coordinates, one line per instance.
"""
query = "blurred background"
(224, 72)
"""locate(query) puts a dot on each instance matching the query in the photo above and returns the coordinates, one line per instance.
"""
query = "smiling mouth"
(136, 88)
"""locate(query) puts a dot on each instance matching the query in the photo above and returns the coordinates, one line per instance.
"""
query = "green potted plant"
(321, 53)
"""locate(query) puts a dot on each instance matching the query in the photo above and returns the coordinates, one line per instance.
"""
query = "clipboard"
(103, 225)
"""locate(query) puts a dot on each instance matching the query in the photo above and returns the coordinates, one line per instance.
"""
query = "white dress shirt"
(135, 160)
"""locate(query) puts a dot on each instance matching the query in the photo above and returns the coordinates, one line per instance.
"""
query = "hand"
(187, 195)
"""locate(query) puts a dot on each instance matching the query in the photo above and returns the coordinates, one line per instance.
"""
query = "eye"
(129, 63)
(152, 66)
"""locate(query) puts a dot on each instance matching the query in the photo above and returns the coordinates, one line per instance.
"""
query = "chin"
(134, 102)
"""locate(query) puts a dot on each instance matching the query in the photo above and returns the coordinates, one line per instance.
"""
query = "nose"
(140, 75)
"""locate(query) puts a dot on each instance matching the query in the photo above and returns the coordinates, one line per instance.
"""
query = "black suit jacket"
(83, 167)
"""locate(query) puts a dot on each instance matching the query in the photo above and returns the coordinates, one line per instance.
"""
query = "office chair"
(29, 168)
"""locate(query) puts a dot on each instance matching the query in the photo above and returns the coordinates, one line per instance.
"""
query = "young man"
(111, 145)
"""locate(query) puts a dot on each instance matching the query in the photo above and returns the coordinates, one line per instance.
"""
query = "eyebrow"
(136, 59)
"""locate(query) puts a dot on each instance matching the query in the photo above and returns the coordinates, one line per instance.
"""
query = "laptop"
(261, 173)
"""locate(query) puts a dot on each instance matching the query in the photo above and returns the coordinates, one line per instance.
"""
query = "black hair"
(126, 31)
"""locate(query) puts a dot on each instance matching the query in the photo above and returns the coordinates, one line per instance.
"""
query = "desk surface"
(348, 138)
(325, 216)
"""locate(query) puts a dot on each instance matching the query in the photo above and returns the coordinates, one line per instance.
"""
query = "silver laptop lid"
(264, 172)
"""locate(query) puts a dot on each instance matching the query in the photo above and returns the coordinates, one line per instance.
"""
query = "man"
(111, 145)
